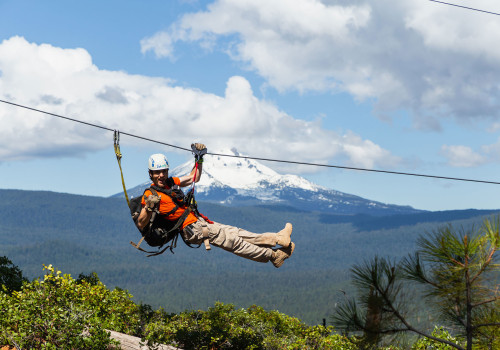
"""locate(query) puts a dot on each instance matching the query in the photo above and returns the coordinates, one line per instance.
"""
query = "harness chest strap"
(189, 209)
(153, 216)
(179, 222)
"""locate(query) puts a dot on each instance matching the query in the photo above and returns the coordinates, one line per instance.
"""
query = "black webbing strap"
(171, 246)
(178, 224)
(155, 212)
(153, 191)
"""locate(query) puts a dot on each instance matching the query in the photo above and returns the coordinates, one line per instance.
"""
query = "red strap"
(194, 177)
(205, 218)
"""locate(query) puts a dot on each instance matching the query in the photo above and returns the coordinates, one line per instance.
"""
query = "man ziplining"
(165, 199)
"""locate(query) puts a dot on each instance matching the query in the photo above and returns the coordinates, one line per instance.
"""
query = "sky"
(409, 86)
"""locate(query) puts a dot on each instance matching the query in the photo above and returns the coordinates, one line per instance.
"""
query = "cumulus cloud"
(112, 95)
(492, 151)
(465, 157)
(462, 156)
(67, 83)
(161, 43)
(433, 60)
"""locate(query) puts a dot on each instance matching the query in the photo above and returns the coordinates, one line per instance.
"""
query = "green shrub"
(58, 312)
(223, 326)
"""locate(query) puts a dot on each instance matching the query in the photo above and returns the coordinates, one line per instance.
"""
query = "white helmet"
(158, 161)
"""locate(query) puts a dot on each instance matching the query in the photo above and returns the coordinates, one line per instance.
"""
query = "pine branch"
(486, 325)
(485, 265)
(486, 301)
(410, 327)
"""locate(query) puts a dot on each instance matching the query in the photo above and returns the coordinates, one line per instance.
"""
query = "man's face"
(159, 177)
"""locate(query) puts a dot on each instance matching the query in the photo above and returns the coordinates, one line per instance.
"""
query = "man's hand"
(199, 150)
(151, 202)
(199, 146)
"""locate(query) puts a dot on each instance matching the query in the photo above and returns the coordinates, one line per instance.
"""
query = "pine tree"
(11, 277)
(456, 273)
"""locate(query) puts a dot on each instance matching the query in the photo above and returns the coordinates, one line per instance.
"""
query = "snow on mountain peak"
(239, 173)
(231, 171)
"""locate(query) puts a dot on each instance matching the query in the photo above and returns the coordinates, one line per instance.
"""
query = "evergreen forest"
(89, 236)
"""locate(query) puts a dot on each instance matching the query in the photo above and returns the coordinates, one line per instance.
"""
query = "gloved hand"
(151, 202)
(199, 146)
(199, 150)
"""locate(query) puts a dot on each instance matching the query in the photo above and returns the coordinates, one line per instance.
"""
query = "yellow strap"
(119, 158)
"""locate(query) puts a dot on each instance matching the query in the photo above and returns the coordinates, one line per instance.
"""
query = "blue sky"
(409, 87)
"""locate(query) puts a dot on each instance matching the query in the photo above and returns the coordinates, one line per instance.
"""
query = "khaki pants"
(243, 243)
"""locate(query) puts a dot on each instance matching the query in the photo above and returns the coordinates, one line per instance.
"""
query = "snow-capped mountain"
(240, 181)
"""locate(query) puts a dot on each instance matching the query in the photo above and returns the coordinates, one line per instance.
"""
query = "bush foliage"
(223, 327)
(59, 312)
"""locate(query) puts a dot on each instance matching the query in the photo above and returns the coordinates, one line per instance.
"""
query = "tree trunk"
(128, 342)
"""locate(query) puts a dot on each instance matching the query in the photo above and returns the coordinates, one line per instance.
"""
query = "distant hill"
(237, 181)
(81, 234)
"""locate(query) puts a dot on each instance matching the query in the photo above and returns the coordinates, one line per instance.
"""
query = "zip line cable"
(254, 158)
(359, 169)
(94, 125)
(465, 7)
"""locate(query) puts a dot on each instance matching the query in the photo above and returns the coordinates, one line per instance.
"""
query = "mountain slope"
(93, 233)
(241, 182)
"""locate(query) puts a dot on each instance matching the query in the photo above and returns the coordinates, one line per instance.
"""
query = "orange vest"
(167, 205)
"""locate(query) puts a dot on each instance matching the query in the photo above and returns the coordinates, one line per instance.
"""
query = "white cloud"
(462, 156)
(67, 83)
(161, 43)
(492, 151)
(366, 153)
(465, 157)
(434, 60)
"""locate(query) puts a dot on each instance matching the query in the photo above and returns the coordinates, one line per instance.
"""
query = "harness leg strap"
(138, 244)
(204, 231)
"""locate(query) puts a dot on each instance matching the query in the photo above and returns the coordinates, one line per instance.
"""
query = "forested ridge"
(83, 234)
